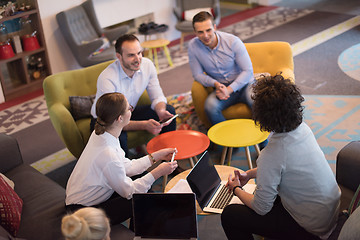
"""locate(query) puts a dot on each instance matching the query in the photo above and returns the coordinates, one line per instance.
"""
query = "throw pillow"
(8, 181)
(80, 106)
(10, 208)
(355, 202)
(105, 45)
(189, 14)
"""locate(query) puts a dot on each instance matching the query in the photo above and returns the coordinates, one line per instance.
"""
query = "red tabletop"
(189, 143)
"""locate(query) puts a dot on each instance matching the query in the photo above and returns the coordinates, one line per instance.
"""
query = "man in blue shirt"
(220, 60)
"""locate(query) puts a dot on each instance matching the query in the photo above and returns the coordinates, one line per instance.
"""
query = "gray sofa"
(43, 199)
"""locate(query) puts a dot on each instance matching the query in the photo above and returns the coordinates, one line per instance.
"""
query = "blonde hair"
(86, 223)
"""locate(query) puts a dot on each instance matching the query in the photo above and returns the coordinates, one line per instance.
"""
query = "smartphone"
(168, 120)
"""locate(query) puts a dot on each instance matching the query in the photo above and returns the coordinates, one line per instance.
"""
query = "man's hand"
(223, 92)
(163, 115)
(152, 126)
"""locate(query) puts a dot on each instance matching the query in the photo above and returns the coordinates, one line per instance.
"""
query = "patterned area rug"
(33, 112)
(335, 121)
(243, 29)
(24, 115)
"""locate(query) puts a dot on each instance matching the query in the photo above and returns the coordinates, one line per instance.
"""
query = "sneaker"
(147, 29)
(143, 28)
(162, 28)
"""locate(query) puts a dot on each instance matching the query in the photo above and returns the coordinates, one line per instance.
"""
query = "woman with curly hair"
(297, 196)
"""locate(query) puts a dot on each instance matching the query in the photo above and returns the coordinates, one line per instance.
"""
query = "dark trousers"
(117, 208)
(143, 112)
(240, 222)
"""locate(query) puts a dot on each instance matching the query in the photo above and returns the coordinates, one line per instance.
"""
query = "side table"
(153, 45)
(237, 133)
(223, 171)
(189, 143)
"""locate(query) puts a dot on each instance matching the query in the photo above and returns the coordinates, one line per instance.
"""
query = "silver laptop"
(205, 182)
(164, 216)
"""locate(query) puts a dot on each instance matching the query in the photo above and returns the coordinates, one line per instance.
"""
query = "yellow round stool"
(152, 45)
(237, 133)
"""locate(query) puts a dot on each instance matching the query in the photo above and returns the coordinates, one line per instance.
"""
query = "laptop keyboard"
(222, 199)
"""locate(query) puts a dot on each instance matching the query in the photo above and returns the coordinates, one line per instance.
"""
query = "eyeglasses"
(131, 108)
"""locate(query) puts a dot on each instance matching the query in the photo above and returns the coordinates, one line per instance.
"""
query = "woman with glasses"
(101, 177)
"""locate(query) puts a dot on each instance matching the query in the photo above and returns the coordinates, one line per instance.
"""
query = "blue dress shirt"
(228, 63)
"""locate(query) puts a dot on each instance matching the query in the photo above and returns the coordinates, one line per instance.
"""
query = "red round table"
(189, 144)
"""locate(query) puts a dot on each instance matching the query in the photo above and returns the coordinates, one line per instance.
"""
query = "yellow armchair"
(82, 82)
(271, 57)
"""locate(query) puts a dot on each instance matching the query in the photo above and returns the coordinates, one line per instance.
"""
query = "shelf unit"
(15, 75)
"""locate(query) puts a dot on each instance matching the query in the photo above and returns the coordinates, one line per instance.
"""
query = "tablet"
(166, 121)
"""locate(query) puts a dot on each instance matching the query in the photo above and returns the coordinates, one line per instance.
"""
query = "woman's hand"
(164, 154)
(244, 178)
(164, 168)
(233, 181)
(245, 197)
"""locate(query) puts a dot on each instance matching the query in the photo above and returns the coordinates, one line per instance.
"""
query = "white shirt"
(114, 79)
(102, 169)
(293, 166)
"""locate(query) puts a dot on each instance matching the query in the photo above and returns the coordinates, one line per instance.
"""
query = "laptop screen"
(203, 179)
(165, 215)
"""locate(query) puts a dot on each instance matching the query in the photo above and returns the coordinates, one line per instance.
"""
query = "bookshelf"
(25, 71)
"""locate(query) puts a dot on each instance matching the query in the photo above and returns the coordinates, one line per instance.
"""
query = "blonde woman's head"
(85, 224)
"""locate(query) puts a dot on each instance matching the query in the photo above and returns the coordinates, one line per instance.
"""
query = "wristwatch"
(236, 188)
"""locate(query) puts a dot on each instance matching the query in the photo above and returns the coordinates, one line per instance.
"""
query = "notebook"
(210, 191)
(164, 216)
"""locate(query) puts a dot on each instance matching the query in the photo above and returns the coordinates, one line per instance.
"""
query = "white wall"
(61, 58)
(109, 12)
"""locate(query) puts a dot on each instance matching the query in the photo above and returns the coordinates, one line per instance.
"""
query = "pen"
(173, 156)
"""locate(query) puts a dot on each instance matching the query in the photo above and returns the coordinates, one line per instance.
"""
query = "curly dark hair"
(277, 104)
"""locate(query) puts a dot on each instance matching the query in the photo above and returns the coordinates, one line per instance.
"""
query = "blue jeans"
(215, 106)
